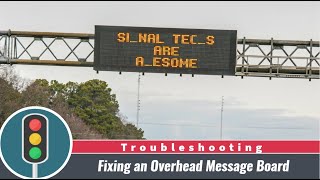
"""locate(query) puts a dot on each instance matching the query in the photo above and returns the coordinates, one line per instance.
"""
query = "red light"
(35, 125)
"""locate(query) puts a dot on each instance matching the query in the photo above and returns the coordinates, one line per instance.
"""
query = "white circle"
(212, 148)
(222, 148)
(143, 148)
(54, 113)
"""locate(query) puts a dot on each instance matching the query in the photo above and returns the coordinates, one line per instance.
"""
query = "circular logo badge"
(35, 142)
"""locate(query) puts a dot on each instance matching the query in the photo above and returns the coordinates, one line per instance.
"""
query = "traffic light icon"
(35, 138)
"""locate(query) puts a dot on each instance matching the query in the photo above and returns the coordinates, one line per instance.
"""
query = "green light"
(35, 153)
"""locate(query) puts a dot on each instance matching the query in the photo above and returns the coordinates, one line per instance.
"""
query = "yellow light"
(35, 139)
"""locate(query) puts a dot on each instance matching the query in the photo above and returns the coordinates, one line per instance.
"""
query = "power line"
(212, 125)
(174, 124)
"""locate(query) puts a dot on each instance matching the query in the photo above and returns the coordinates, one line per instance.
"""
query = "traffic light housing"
(35, 138)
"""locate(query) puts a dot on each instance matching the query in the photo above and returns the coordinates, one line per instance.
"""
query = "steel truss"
(255, 57)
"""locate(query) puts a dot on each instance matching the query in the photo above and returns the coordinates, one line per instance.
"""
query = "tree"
(93, 102)
(89, 108)
(8, 74)
(130, 131)
(10, 85)
(8, 100)
(79, 129)
(35, 95)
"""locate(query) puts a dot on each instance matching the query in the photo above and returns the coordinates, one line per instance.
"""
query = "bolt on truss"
(255, 57)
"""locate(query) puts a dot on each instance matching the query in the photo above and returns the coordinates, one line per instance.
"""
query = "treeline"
(90, 108)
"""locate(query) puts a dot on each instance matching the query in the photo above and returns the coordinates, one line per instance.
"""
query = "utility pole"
(222, 102)
(138, 100)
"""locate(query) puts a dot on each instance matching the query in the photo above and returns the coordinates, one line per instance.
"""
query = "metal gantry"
(255, 57)
(278, 58)
(46, 48)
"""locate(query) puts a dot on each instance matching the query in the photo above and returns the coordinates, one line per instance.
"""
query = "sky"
(174, 107)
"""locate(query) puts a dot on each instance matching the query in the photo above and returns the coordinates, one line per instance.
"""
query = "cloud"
(201, 120)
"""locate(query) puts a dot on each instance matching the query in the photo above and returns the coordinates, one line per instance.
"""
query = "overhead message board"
(165, 50)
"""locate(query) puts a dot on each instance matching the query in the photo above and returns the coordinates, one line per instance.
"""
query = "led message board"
(165, 50)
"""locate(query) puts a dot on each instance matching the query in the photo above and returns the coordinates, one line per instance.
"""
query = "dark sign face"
(165, 50)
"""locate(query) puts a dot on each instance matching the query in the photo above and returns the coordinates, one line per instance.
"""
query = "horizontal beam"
(3, 33)
(280, 57)
(279, 75)
(51, 62)
(251, 69)
(47, 34)
(91, 36)
(280, 70)
(279, 42)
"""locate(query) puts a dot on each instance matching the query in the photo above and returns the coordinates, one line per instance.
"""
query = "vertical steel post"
(243, 53)
(9, 47)
(310, 61)
(271, 54)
